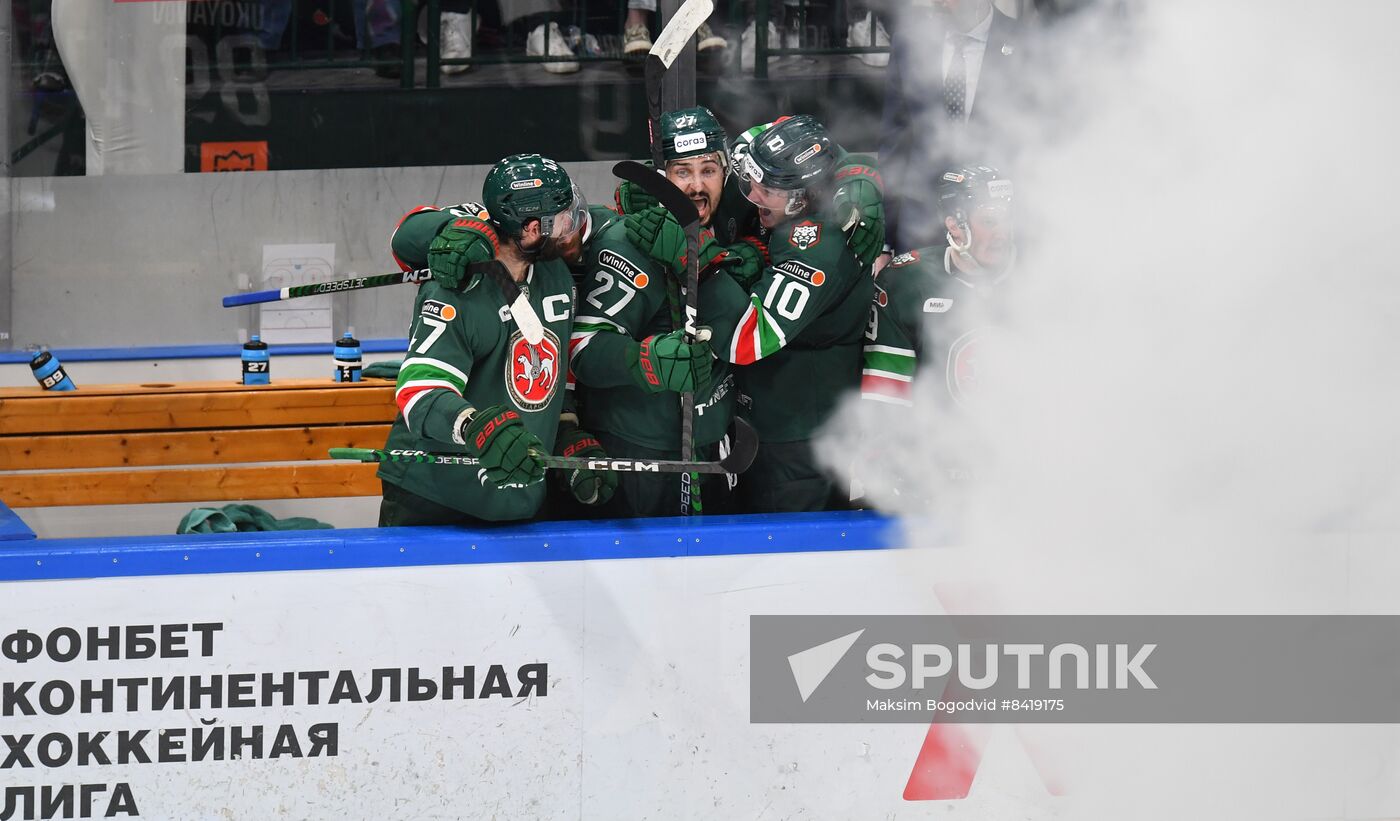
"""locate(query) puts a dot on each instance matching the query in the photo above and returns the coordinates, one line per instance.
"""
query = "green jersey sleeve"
(441, 353)
(416, 230)
(887, 371)
(811, 272)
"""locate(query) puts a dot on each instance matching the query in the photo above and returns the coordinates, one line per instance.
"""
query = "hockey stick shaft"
(680, 206)
(333, 287)
(551, 462)
(520, 309)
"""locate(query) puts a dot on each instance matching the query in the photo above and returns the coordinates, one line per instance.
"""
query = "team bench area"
(189, 442)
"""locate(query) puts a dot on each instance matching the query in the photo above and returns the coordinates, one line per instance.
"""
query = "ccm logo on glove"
(491, 427)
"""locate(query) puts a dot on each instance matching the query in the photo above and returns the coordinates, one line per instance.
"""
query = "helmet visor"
(567, 230)
(572, 220)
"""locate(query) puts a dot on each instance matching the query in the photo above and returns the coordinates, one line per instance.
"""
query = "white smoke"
(1195, 409)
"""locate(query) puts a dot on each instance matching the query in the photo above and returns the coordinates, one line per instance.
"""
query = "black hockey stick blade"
(743, 447)
(671, 198)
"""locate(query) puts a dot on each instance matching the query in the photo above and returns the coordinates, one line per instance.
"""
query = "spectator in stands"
(866, 28)
(636, 34)
(456, 32)
(947, 61)
(545, 38)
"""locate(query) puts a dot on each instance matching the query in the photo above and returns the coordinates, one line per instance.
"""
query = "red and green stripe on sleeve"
(420, 375)
(887, 374)
(758, 335)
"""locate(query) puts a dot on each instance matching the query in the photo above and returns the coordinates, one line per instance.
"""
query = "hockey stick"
(520, 308)
(740, 456)
(680, 206)
(319, 288)
(676, 35)
(668, 46)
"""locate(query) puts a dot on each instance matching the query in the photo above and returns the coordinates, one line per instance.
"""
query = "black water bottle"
(348, 359)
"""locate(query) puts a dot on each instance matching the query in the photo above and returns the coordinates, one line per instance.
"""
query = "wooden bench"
(189, 442)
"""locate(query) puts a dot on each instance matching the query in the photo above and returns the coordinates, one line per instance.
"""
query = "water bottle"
(50, 374)
(255, 362)
(347, 359)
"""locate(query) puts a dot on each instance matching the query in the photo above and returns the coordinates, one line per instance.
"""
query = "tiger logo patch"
(805, 234)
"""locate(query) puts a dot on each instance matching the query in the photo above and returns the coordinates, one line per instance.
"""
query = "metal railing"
(346, 44)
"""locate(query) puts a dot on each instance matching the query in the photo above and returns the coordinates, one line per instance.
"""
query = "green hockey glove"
(506, 448)
(666, 362)
(746, 261)
(858, 195)
(632, 198)
(460, 243)
(589, 487)
(657, 234)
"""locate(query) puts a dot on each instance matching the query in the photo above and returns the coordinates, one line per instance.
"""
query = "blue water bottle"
(255, 362)
(347, 359)
(50, 373)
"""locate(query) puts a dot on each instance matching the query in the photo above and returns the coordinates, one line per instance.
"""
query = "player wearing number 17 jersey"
(472, 383)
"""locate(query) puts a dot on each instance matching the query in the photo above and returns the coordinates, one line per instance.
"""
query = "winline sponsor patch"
(439, 310)
(802, 271)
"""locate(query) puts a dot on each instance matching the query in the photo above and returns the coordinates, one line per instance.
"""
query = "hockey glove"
(589, 487)
(666, 362)
(506, 448)
(460, 243)
(657, 234)
(858, 196)
(632, 198)
(746, 261)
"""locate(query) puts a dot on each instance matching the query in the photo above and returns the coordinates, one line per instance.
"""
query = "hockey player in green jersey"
(800, 330)
(472, 383)
(932, 305)
(630, 305)
(729, 214)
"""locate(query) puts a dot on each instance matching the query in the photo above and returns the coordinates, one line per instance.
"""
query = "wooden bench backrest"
(118, 444)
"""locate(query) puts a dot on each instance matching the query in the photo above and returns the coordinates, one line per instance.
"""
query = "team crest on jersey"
(533, 371)
(882, 297)
(802, 271)
(962, 367)
(805, 234)
(438, 310)
(623, 267)
(907, 258)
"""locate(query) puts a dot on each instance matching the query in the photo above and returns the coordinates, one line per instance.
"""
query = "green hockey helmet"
(692, 132)
(960, 193)
(962, 190)
(526, 187)
(791, 156)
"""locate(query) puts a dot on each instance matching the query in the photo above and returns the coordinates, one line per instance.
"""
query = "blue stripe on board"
(66, 355)
(424, 546)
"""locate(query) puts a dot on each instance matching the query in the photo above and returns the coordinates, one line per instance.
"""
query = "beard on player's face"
(701, 179)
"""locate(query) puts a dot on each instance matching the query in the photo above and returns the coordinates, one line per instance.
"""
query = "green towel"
(238, 518)
(388, 369)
